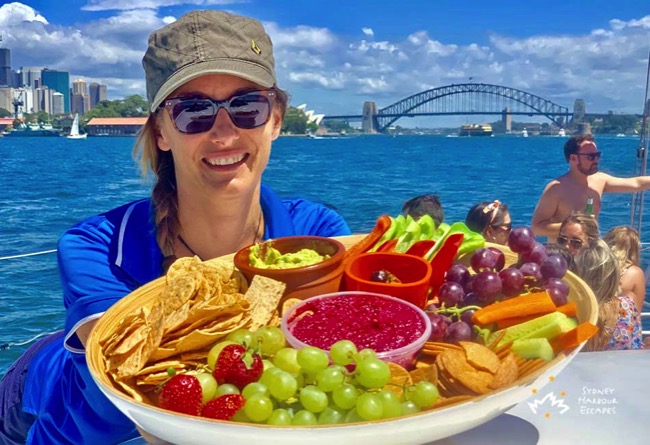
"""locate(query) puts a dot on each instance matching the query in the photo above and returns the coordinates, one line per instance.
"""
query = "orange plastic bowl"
(306, 281)
(414, 273)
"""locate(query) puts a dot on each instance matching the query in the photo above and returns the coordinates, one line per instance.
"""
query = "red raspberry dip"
(369, 321)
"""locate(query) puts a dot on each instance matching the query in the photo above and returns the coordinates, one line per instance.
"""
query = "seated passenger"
(563, 251)
(424, 205)
(578, 230)
(492, 220)
(626, 245)
(619, 321)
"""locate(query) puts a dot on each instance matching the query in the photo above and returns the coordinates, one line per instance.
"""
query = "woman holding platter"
(214, 111)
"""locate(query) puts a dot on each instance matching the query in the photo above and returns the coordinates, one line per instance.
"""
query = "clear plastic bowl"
(404, 355)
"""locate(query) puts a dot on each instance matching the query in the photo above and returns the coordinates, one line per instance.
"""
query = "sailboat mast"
(636, 211)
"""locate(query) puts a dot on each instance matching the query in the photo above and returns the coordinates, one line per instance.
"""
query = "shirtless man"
(570, 191)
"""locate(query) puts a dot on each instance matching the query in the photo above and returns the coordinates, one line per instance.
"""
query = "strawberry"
(223, 407)
(227, 357)
(182, 393)
(237, 366)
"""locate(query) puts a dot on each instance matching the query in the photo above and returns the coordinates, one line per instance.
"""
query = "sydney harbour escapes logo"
(591, 401)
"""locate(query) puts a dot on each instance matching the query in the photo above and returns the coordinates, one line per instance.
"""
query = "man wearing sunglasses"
(215, 110)
(583, 182)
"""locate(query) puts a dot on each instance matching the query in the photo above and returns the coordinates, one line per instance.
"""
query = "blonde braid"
(163, 196)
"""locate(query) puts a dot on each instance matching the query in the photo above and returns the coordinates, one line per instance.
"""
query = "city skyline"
(335, 57)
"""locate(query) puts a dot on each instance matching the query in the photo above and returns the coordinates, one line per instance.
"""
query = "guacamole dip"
(271, 258)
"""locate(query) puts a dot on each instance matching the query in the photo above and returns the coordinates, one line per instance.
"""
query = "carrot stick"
(569, 309)
(582, 332)
(524, 305)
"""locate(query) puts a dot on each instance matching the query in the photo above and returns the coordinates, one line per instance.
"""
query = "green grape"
(267, 364)
(331, 415)
(215, 351)
(424, 394)
(391, 403)
(312, 359)
(372, 373)
(208, 385)
(255, 388)
(241, 336)
(279, 416)
(329, 379)
(369, 406)
(282, 385)
(345, 396)
(240, 416)
(266, 376)
(313, 399)
(364, 354)
(258, 407)
(353, 416)
(226, 388)
(304, 417)
(342, 352)
(285, 359)
(270, 339)
(409, 407)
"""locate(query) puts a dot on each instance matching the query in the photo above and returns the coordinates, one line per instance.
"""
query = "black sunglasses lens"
(193, 115)
(250, 110)
(576, 243)
(593, 156)
(562, 240)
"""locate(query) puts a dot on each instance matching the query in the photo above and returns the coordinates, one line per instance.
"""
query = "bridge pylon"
(369, 119)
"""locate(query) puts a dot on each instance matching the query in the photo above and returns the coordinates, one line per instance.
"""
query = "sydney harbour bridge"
(467, 99)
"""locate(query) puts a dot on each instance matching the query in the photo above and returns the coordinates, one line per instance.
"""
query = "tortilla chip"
(427, 373)
(264, 295)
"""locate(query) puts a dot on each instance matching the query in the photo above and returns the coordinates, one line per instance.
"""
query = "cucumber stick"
(530, 348)
(547, 326)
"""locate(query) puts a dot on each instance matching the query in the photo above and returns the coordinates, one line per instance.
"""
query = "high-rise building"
(5, 67)
(80, 103)
(58, 81)
(98, 93)
(57, 103)
(31, 76)
(79, 87)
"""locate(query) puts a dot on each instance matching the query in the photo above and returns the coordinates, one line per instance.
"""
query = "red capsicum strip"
(420, 248)
(387, 246)
(443, 260)
(381, 226)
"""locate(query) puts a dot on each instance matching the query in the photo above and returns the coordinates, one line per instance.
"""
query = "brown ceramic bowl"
(305, 281)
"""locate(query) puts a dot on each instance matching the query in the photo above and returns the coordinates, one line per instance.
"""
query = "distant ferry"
(33, 130)
(475, 130)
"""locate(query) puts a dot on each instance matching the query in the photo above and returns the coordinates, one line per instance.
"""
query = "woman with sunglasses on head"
(215, 109)
(578, 231)
(619, 320)
(492, 220)
(626, 245)
(580, 189)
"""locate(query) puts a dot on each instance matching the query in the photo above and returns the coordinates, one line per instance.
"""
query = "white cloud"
(368, 31)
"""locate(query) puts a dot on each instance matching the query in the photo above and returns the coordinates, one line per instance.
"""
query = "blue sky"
(334, 55)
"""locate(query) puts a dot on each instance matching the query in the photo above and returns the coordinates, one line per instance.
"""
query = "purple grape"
(467, 316)
(483, 259)
(431, 308)
(471, 300)
(558, 297)
(451, 294)
(459, 331)
(438, 327)
(537, 254)
(467, 287)
(556, 282)
(501, 258)
(532, 273)
(512, 281)
(521, 239)
(487, 286)
(555, 266)
(458, 273)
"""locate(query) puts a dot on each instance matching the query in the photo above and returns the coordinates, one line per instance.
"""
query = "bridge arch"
(471, 98)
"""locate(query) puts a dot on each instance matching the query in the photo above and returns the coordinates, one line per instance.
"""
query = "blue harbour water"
(50, 183)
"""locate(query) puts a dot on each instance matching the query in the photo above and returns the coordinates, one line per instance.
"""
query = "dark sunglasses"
(507, 227)
(590, 156)
(193, 115)
(576, 243)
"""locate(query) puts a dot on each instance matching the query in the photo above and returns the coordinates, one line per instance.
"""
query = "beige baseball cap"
(206, 42)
